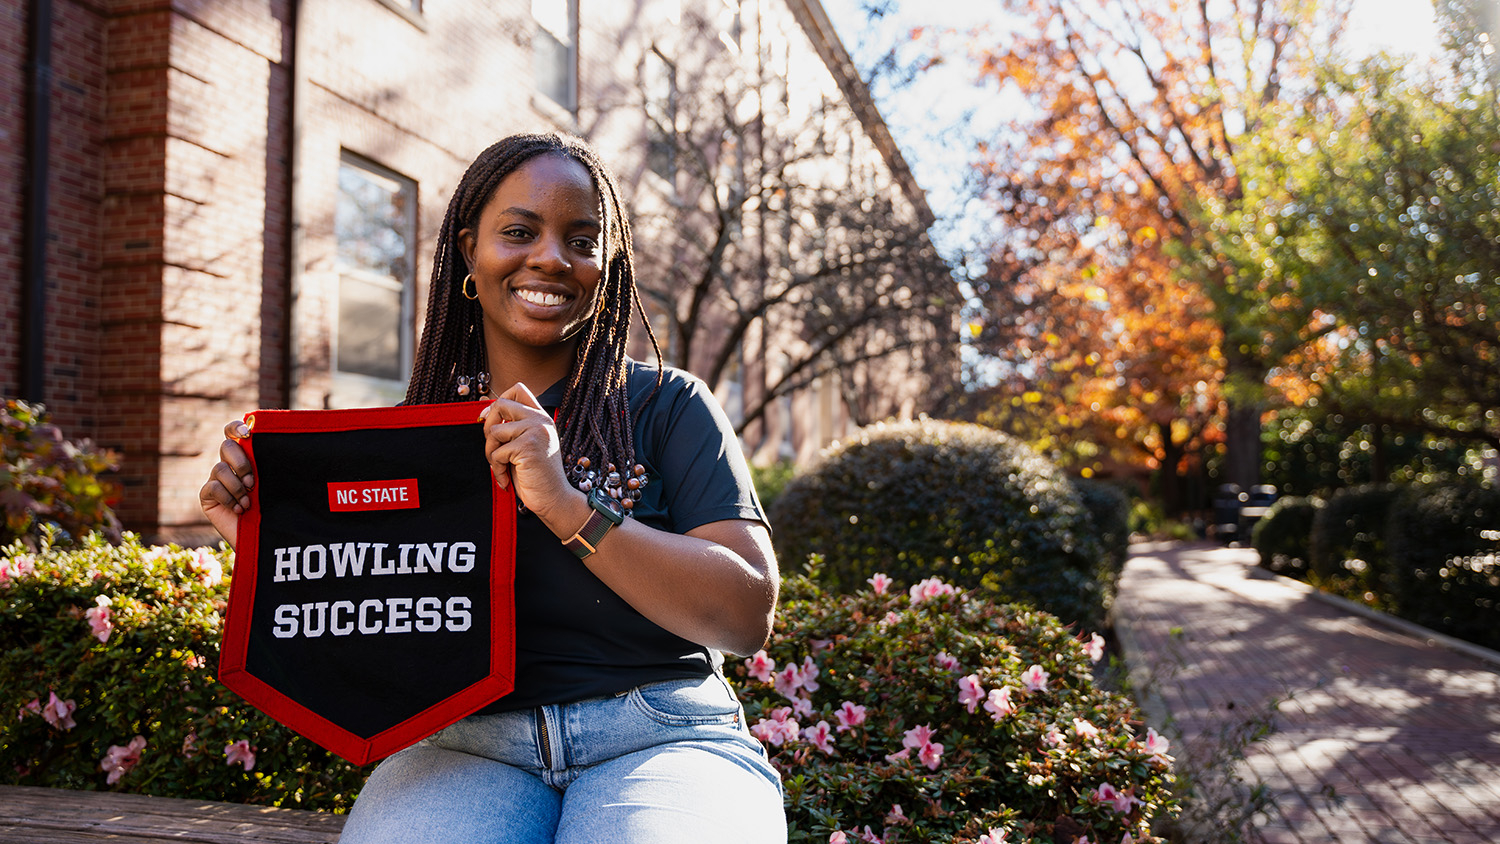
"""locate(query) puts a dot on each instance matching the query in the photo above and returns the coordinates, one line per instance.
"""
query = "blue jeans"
(664, 763)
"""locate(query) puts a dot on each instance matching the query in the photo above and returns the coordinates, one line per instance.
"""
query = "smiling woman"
(641, 551)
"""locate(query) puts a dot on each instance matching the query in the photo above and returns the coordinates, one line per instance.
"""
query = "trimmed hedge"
(1109, 512)
(1351, 526)
(1444, 567)
(930, 715)
(107, 661)
(945, 499)
(1283, 536)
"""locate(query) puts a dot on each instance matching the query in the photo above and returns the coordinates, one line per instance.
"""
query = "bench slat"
(64, 817)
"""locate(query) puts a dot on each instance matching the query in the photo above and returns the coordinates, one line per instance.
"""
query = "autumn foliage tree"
(1110, 292)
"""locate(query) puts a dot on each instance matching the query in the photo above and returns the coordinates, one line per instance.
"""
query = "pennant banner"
(372, 602)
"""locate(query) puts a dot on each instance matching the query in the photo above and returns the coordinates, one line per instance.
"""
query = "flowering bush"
(952, 500)
(49, 483)
(106, 681)
(932, 715)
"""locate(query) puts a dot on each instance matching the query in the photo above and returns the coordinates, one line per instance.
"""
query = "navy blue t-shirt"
(575, 638)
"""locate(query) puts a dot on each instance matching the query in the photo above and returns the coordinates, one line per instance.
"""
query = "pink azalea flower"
(34, 706)
(761, 666)
(998, 704)
(1120, 801)
(900, 755)
(781, 728)
(194, 661)
(850, 715)
(1095, 647)
(994, 836)
(119, 760)
(1082, 839)
(190, 745)
(869, 836)
(59, 712)
(820, 736)
(1127, 839)
(810, 674)
(802, 707)
(931, 755)
(879, 583)
(890, 618)
(838, 837)
(928, 589)
(947, 661)
(896, 817)
(917, 736)
(98, 618)
(788, 680)
(1034, 679)
(1084, 729)
(210, 570)
(1054, 738)
(970, 692)
(240, 753)
(1157, 745)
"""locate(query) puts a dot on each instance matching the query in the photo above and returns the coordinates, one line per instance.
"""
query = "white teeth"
(538, 298)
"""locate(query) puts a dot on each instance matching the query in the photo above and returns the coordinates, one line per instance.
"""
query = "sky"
(936, 119)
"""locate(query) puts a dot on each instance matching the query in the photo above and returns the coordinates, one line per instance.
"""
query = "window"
(555, 50)
(659, 81)
(375, 226)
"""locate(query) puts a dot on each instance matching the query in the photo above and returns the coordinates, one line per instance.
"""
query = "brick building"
(218, 205)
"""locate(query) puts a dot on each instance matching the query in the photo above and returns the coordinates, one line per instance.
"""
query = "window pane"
(371, 223)
(369, 329)
(554, 68)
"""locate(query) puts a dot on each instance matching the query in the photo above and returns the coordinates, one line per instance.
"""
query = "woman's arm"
(716, 585)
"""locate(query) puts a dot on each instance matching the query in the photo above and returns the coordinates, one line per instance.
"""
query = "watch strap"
(586, 540)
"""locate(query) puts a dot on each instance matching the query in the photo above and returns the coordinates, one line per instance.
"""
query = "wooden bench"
(57, 816)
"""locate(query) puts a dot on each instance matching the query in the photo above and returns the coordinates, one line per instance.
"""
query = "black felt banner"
(373, 594)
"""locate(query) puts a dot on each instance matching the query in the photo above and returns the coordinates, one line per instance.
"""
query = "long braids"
(594, 421)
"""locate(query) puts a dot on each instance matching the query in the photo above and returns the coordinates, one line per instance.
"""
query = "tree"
(1378, 218)
(1136, 110)
(772, 218)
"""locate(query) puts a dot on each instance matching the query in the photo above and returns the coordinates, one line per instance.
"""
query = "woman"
(641, 555)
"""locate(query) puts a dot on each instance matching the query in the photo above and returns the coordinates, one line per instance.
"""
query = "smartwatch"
(607, 513)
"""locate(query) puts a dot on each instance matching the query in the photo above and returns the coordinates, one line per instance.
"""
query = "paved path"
(1379, 735)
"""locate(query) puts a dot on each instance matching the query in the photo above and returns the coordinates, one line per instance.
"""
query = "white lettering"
(286, 564)
(311, 613)
(345, 558)
(461, 562)
(365, 624)
(458, 614)
(346, 496)
(333, 618)
(402, 566)
(310, 571)
(430, 557)
(380, 565)
(398, 615)
(428, 616)
(286, 621)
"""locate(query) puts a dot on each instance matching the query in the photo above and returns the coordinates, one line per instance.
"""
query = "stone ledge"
(59, 816)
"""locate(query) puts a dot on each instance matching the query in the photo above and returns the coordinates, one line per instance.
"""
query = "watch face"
(602, 501)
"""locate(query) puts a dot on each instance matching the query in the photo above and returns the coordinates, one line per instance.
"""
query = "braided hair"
(594, 422)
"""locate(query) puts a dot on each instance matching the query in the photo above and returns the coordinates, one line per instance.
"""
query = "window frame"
(355, 389)
(545, 97)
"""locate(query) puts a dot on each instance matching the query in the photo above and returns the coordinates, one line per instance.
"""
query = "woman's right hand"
(227, 493)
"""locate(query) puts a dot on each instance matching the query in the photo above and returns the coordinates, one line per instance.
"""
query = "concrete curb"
(1410, 628)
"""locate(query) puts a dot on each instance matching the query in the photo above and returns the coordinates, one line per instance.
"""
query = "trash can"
(1227, 503)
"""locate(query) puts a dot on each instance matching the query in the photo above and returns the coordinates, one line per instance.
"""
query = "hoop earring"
(465, 288)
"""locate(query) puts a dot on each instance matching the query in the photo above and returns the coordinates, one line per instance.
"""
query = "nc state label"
(373, 495)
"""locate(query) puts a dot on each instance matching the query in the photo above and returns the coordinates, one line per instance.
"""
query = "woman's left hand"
(522, 448)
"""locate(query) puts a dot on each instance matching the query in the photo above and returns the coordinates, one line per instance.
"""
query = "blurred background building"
(218, 205)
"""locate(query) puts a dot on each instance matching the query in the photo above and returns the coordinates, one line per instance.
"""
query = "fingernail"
(243, 430)
(249, 481)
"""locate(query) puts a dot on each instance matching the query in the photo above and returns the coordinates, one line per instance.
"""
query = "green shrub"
(1109, 513)
(1284, 535)
(873, 707)
(1348, 537)
(771, 479)
(1443, 570)
(107, 659)
(50, 484)
(957, 501)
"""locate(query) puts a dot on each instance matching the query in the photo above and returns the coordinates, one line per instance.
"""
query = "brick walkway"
(1379, 736)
